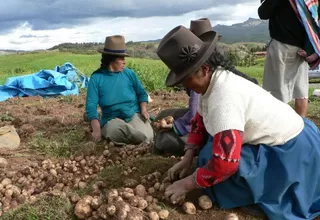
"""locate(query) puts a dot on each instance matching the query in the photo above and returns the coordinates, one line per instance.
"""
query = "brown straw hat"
(114, 45)
(184, 53)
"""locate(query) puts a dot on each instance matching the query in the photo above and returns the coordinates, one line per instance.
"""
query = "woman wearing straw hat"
(251, 147)
(121, 97)
(173, 140)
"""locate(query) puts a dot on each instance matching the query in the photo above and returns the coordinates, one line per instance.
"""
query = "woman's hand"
(96, 135)
(143, 111)
(180, 188)
(181, 168)
(145, 114)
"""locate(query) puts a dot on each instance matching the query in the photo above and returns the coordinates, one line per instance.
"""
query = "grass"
(47, 208)
(152, 73)
(60, 144)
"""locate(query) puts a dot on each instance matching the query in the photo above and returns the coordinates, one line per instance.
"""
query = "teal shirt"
(118, 94)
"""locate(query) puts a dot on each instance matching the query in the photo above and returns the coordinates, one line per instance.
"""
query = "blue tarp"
(63, 80)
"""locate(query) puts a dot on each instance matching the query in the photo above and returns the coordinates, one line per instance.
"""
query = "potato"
(82, 185)
(232, 216)
(96, 202)
(151, 190)
(163, 214)
(189, 208)
(205, 202)
(74, 198)
(169, 119)
(112, 193)
(142, 204)
(83, 209)
(157, 186)
(111, 209)
(134, 216)
(129, 190)
(111, 144)
(140, 190)
(53, 172)
(121, 214)
(149, 199)
(133, 201)
(162, 188)
(127, 195)
(115, 199)
(153, 216)
(6, 182)
(8, 194)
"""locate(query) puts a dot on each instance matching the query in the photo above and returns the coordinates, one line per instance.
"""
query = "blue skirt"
(283, 180)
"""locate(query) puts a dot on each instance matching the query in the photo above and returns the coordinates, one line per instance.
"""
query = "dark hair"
(106, 60)
(217, 58)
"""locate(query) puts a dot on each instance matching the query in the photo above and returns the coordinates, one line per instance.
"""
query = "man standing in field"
(285, 72)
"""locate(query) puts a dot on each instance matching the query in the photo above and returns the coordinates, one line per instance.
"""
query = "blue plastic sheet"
(63, 80)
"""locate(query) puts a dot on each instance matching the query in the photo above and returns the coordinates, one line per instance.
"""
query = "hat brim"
(210, 39)
(115, 54)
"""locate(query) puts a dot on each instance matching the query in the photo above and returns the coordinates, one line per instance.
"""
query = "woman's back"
(232, 102)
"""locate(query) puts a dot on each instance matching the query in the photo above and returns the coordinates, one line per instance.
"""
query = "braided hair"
(217, 58)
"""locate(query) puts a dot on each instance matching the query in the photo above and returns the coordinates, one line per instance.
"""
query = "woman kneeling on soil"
(173, 139)
(252, 148)
(121, 96)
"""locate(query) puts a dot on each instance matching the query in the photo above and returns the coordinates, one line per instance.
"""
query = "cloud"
(43, 24)
(32, 36)
(55, 14)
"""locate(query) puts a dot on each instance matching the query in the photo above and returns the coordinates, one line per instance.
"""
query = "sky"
(41, 24)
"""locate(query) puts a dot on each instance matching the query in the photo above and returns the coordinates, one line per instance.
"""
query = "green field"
(151, 72)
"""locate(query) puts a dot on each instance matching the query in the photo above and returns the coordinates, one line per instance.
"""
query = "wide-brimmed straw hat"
(200, 26)
(184, 53)
(115, 45)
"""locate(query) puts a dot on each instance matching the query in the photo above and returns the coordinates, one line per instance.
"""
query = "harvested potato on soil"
(112, 193)
(96, 202)
(153, 216)
(232, 216)
(142, 204)
(169, 119)
(164, 123)
(133, 201)
(163, 214)
(111, 209)
(189, 208)
(121, 214)
(133, 216)
(205, 202)
(140, 190)
(83, 209)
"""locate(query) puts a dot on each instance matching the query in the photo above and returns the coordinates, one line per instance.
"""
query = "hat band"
(114, 51)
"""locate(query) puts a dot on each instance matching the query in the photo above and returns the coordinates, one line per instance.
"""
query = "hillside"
(242, 39)
(252, 30)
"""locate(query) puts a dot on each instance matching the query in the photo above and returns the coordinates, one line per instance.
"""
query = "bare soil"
(55, 129)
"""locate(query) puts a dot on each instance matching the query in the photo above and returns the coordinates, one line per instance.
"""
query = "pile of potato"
(137, 200)
(164, 123)
(122, 204)
(59, 177)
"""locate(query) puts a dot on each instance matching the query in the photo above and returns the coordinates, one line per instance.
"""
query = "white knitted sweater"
(232, 102)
